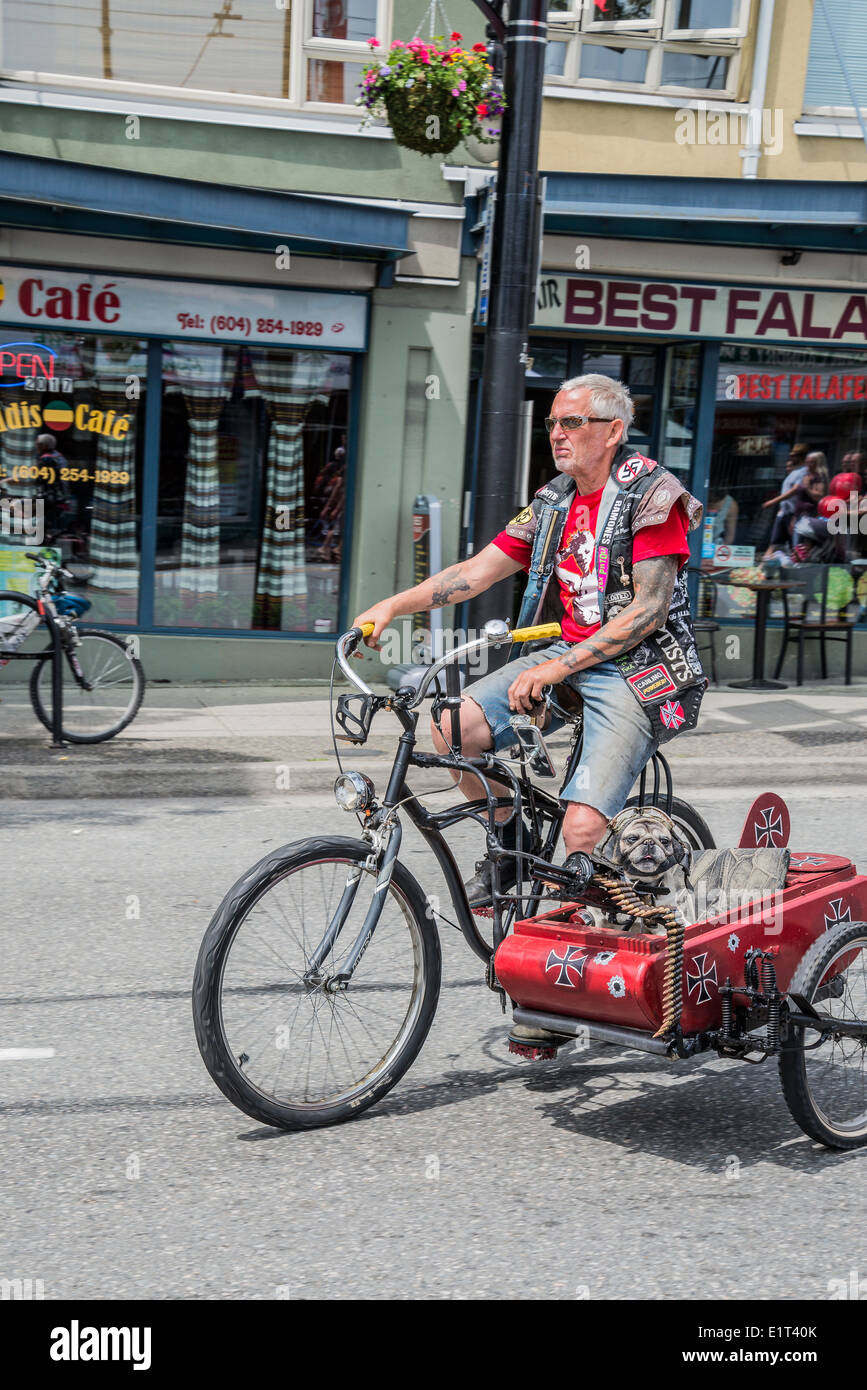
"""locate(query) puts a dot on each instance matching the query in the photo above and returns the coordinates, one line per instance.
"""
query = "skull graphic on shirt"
(577, 574)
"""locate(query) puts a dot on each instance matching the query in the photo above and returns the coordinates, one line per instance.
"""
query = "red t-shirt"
(576, 568)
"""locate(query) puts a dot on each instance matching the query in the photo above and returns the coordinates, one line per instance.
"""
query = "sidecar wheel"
(826, 1086)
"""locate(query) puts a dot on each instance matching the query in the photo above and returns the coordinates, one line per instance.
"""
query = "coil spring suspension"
(769, 989)
(726, 1014)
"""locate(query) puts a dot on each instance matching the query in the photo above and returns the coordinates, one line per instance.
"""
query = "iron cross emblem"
(575, 958)
(765, 828)
(837, 913)
(700, 977)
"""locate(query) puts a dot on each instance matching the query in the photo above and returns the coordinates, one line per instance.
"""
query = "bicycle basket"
(71, 605)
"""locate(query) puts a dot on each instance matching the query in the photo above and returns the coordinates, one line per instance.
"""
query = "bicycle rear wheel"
(687, 819)
(290, 1053)
(117, 684)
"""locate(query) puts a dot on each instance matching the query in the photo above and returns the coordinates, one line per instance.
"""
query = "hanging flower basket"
(433, 95)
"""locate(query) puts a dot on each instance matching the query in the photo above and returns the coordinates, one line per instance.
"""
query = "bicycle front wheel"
(284, 1049)
(115, 680)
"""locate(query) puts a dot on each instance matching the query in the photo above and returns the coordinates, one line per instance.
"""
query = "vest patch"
(651, 683)
(631, 467)
(672, 714)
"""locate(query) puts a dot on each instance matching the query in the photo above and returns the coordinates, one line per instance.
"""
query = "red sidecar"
(773, 962)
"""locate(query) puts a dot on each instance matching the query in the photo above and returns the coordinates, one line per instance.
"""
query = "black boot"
(479, 888)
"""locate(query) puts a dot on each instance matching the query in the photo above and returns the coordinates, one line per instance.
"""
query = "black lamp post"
(513, 268)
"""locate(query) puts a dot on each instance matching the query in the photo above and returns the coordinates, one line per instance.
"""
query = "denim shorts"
(618, 737)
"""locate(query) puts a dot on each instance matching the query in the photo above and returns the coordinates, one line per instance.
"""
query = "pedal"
(532, 1051)
(482, 911)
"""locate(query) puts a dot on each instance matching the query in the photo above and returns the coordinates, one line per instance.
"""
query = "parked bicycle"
(318, 977)
(105, 681)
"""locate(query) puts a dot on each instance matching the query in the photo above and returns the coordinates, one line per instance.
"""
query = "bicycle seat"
(569, 701)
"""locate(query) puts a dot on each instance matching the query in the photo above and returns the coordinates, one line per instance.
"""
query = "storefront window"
(549, 362)
(71, 443)
(251, 488)
(637, 367)
(681, 394)
(788, 418)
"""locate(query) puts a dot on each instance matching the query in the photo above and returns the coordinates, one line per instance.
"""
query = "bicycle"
(108, 680)
(272, 944)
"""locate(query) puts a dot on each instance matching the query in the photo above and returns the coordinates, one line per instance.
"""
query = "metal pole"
(56, 683)
(513, 273)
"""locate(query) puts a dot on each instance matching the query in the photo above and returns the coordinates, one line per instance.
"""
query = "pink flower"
(455, 92)
(374, 43)
(456, 38)
(397, 44)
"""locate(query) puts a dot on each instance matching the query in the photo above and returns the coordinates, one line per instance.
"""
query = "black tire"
(227, 1068)
(688, 820)
(798, 1064)
(40, 688)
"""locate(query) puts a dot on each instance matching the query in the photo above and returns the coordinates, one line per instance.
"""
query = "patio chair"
(823, 611)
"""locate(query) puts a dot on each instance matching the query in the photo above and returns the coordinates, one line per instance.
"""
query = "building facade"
(245, 320)
(254, 327)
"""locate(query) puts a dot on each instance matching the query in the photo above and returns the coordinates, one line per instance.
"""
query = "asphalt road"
(605, 1174)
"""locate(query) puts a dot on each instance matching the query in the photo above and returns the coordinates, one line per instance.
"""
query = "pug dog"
(644, 845)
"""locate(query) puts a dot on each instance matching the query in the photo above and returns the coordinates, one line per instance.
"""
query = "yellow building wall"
(619, 138)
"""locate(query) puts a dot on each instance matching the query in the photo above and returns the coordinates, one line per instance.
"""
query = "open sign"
(21, 361)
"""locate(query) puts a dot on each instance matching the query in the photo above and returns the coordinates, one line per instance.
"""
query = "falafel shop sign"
(760, 313)
(43, 299)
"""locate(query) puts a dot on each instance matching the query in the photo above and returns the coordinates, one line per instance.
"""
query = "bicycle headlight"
(353, 791)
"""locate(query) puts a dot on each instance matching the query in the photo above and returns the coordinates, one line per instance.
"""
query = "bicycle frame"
(544, 810)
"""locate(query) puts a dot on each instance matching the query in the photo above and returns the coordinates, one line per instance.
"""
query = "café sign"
(761, 313)
(43, 299)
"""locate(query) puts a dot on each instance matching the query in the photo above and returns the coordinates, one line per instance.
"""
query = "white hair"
(608, 398)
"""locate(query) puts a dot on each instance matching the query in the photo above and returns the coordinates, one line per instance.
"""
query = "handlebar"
(494, 634)
(51, 567)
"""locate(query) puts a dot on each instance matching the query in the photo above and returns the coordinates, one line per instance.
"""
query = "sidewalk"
(262, 740)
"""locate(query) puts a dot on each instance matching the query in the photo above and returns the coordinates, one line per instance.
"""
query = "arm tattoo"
(654, 585)
(446, 585)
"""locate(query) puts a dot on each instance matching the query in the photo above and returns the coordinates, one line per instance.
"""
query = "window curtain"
(113, 547)
(17, 450)
(289, 384)
(205, 385)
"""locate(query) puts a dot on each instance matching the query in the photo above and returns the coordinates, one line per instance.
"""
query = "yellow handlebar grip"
(367, 629)
(531, 634)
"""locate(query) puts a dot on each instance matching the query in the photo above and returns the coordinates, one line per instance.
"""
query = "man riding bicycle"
(605, 548)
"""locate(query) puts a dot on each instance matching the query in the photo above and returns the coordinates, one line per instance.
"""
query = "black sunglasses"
(574, 422)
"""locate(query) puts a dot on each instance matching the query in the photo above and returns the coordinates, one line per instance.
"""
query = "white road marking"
(24, 1054)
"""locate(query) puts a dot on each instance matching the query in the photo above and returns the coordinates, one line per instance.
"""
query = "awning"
(800, 214)
(58, 195)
